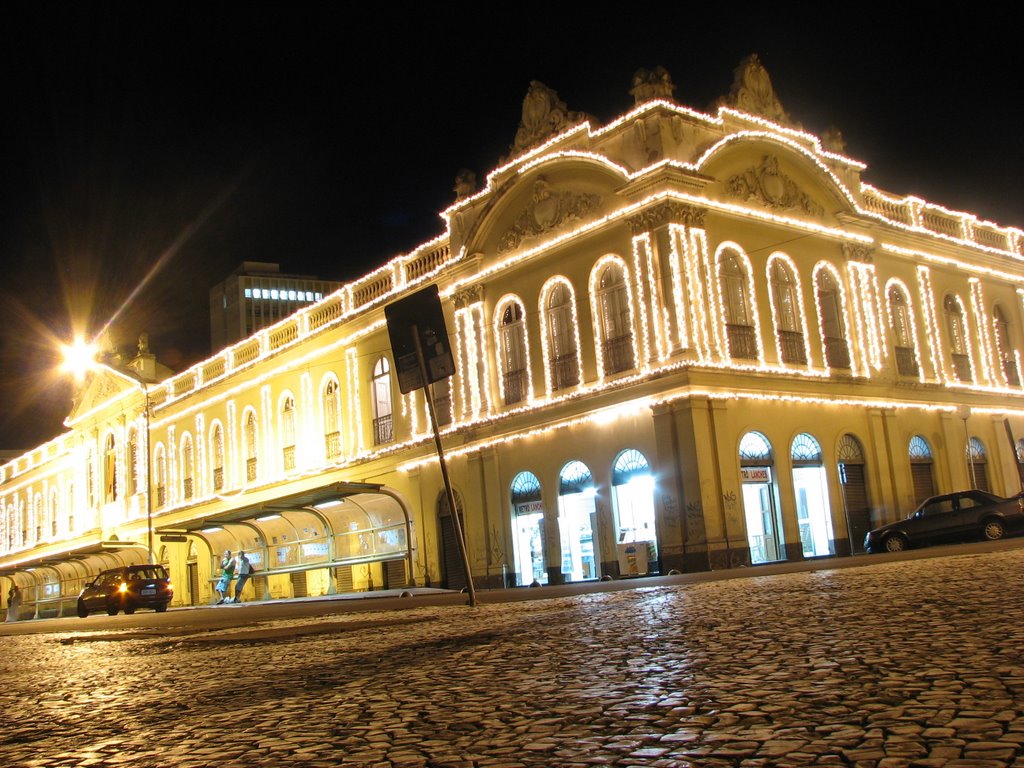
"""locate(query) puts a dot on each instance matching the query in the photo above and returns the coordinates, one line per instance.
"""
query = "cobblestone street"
(895, 664)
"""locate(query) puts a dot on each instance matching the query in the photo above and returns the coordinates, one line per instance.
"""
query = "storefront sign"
(756, 474)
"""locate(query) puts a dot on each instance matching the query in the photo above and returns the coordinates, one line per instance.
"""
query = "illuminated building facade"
(683, 340)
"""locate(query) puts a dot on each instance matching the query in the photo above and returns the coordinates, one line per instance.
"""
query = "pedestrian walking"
(244, 570)
(13, 602)
(227, 571)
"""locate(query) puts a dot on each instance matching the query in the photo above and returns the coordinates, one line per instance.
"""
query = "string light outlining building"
(683, 340)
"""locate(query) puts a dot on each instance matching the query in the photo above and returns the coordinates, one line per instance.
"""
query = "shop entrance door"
(759, 510)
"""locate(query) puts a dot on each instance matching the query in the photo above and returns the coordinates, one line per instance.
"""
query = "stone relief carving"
(649, 84)
(833, 141)
(547, 211)
(772, 188)
(857, 252)
(544, 115)
(752, 92)
(465, 184)
(666, 213)
(466, 297)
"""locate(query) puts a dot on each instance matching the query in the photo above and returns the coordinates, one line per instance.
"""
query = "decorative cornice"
(467, 296)
(668, 212)
(858, 252)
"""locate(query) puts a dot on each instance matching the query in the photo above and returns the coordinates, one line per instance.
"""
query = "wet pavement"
(910, 663)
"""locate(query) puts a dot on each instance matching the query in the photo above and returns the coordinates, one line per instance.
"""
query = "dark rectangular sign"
(419, 313)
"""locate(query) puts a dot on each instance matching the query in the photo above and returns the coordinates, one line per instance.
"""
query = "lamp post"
(964, 412)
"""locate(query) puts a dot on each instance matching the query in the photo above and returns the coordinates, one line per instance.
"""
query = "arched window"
(38, 514)
(957, 331)
(528, 529)
(512, 332)
(736, 309)
(786, 313)
(903, 331)
(853, 479)
(978, 464)
(1004, 349)
(52, 511)
(760, 505)
(615, 321)
(132, 461)
(288, 433)
(188, 467)
(633, 499)
(921, 474)
(69, 507)
(217, 454)
(90, 477)
(830, 318)
(383, 425)
(563, 362)
(331, 406)
(249, 438)
(109, 469)
(160, 474)
(577, 526)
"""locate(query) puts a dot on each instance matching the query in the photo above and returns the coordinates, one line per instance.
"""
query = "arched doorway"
(921, 475)
(764, 528)
(633, 498)
(452, 574)
(576, 522)
(850, 460)
(528, 529)
(813, 513)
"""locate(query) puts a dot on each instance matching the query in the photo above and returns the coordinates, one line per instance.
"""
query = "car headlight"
(122, 587)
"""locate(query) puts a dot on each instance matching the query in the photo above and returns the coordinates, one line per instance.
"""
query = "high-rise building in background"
(257, 295)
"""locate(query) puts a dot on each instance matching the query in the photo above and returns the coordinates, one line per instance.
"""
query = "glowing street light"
(79, 357)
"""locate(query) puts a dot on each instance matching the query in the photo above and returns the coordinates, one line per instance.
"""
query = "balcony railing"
(250, 469)
(443, 409)
(383, 430)
(618, 354)
(794, 351)
(565, 371)
(218, 478)
(515, 386)
(333, 445)
(962, 367)
(289, 457)
(906, 362)
(187, 487)
(837, 352)
(742, 341)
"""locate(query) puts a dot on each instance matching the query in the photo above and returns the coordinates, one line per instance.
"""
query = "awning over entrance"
(332, 525)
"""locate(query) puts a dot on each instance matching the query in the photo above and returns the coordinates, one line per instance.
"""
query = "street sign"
(174, 537)
(419, 313)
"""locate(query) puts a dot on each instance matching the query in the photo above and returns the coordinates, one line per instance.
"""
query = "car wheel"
(129, 609)
(993, 529)
(111, 609)
(895, 543)
(161, 607)
(83, 612)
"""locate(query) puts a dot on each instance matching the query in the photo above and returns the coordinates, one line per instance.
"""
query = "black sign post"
(419, 343)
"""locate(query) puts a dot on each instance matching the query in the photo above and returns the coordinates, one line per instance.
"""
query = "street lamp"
(80, 357)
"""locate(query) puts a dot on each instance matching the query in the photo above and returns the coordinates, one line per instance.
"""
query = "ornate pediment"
(98, 388)
(547, 211)
(767, 185)
(650, 84)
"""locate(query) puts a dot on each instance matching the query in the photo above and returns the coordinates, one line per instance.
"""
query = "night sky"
(150, 148)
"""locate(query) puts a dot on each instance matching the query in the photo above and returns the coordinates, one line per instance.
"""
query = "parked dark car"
(951, 517)
(125, 589)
